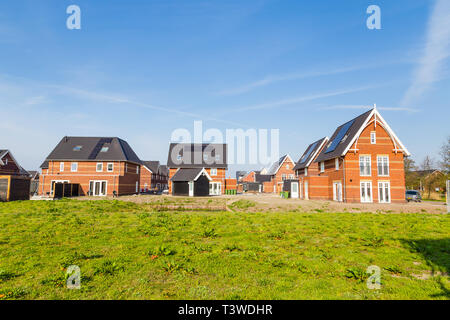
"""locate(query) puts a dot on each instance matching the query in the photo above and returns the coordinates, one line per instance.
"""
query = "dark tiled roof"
(152, 165)
(309, 154)
(33, 174)
(262, 177)
(164, 170)
(91, 150)
(351, 133)
(192, 155)
(186, 174)
(240, 174)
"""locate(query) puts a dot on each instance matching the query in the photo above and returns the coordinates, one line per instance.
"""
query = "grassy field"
(143, 251)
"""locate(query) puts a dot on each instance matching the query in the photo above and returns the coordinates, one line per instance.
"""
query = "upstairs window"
(287, 167)
(205, 157)
(179, 157)
(61, 166)
(74, 167)
(214, 171)
(336, 163)
(137, 169)
(217, 157)
(283, 176)
(364, 166)
(373, 138)
(110, 167)
(383, 165)
(322, 166)
(306, 172)
(99, 167)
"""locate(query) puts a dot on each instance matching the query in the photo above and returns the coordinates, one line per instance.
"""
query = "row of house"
(361, 162)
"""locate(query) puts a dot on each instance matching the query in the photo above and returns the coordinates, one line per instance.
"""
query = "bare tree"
(445, 156)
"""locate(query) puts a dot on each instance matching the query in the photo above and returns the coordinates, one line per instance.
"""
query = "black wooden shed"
(191, 182)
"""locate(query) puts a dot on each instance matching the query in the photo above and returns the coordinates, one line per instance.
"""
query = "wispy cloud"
(366, 107)
(436, 51)
(284, 102)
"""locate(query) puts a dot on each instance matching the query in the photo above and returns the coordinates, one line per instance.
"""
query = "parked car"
(413, 195)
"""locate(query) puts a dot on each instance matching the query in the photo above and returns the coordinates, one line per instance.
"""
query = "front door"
(337, 191)
(384, 192)
(366, 191)
(294, 189)
(306, 191)
(98, 188)
(191, 188)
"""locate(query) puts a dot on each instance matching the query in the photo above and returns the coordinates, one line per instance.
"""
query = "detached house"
(154, 177)
(14, 180)
(99, 166)
(197, 169)
(361, 162)
(279, 171)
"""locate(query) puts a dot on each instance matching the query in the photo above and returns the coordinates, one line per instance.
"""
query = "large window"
(61, 166)
(383, 165)
(74, 167)
(364, 166)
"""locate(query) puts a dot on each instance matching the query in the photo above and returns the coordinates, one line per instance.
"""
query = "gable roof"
(189, 174)
(354, 128)
(153, 166)
(192, 155)
(310, 153)
(259, 177)
(92, 149)
(163, 170)
(3, 153)
(33, 174)
(277, 164)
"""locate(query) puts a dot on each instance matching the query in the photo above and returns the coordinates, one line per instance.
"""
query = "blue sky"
(141, 69)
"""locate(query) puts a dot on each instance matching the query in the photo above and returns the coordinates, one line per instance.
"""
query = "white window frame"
(384, 160)
(373, 137)
(306, 172)
(213, 171)
(61, 167)
(322, 166)
(371, 191)
(287, 167)
(363, 159)
(283, 176)
(96, 167)
(383, 186)
(112, 166)
(137, 169)
(336, 163)
(74, 165)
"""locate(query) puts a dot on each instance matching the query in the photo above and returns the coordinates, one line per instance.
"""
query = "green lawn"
(131, 251)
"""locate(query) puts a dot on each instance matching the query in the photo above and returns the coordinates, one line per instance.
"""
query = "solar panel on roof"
(308, 153)
(333, 144)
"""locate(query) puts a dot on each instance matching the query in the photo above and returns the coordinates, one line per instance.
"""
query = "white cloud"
(436, 51)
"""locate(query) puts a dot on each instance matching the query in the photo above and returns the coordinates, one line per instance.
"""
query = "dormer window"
(77, 148)
(179, 157)
(104, 149)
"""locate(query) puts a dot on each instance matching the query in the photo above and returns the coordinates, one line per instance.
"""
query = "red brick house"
(197, 169)
(306, 168)
(154, 177)
(14, 180)
(279, 171)
(101, 166)
(362, 162)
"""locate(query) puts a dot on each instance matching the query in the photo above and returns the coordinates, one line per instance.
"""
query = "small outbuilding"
(191, 182)
(14, 180)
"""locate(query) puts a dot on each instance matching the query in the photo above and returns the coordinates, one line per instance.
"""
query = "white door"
(301, 191)
(98, 188)
(366, 191)
(294, 189)
(337, 191)
(191, 188)
(384, 192)
(306, 191)
(215, 188)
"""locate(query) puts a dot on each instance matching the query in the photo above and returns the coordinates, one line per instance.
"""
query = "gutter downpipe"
(345, 189)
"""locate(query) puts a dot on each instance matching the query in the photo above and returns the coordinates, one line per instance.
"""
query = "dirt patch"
(271, 202)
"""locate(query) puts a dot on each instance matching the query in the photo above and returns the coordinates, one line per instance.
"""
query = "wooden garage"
(14, 180)
(192, 182)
